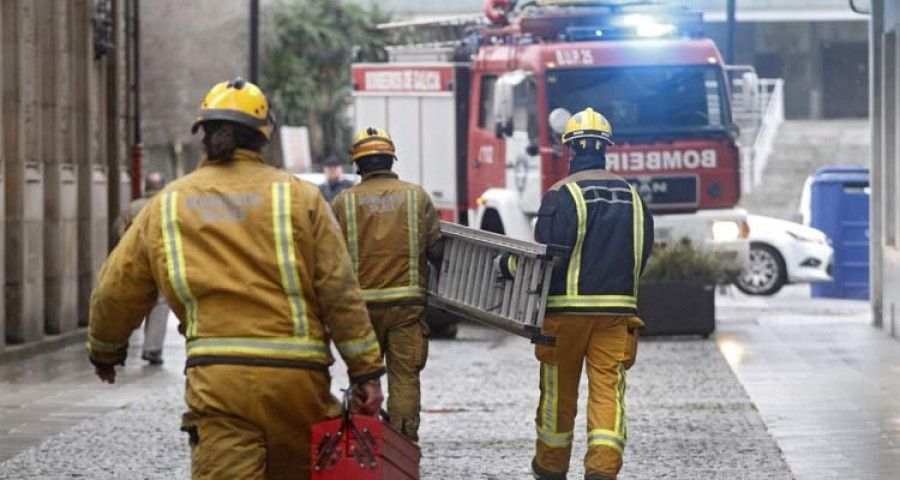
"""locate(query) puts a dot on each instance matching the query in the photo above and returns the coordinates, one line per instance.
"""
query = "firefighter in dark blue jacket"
(592, 305)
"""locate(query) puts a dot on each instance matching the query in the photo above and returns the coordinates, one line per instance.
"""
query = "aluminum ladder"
(469, 284)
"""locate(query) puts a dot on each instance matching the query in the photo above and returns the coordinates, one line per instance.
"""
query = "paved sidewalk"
(825, 381)
(688, 417)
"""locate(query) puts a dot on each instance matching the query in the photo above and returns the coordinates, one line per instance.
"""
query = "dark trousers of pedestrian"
(155, 330)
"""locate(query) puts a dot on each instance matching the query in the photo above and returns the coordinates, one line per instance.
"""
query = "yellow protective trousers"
(254, 422)
(403, 335)
(608, 345)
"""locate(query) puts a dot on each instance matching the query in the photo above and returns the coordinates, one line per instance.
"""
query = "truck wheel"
(765, 274)
(442, 325)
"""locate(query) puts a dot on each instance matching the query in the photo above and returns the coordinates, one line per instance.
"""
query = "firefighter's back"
(384, 221)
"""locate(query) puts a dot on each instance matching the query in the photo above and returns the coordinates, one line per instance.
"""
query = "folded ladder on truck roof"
(470, 285)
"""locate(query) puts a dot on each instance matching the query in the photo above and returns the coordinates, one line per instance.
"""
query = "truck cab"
(477, 115)
(668, 101)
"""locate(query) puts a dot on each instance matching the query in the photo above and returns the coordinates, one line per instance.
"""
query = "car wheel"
(765, 274)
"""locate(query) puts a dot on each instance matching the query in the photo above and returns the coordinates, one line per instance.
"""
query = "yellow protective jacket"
(392, 230)
(252, 263)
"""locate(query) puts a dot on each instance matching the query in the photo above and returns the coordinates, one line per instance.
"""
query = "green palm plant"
(307, 65)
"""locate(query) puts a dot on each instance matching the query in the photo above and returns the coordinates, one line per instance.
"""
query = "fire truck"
(476, 106)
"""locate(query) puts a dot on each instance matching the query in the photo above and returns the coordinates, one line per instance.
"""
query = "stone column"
(2, 180)
(61, 174)
(24, 182)
(91, 174)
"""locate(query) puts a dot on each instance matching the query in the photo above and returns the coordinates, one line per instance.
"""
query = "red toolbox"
(358, 447)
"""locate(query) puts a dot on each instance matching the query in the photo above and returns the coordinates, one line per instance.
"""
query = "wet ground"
(826, 383)
(822, 388)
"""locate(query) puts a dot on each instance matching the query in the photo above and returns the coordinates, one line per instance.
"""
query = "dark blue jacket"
(602, 218)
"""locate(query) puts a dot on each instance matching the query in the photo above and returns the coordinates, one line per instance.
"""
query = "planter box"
(677, 308)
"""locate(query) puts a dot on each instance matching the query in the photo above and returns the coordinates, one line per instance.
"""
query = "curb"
(50, 343)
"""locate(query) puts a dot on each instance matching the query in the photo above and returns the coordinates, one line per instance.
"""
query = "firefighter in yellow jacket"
(254, 266)
(392, 229)
(592, 304)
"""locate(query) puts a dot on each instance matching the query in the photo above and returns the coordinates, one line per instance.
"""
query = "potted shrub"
(677, 292)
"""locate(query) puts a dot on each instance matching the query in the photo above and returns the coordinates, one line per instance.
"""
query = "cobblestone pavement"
(689, 418)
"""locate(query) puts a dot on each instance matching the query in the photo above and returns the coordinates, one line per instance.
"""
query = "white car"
(783, 252)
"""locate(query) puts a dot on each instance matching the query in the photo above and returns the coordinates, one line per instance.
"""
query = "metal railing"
(469, 284)
(759, 113)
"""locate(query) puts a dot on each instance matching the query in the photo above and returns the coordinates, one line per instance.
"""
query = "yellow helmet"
(587, 124)
(237, 101)
(372, 141)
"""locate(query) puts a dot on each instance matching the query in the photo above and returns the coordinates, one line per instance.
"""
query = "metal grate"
(470, 285)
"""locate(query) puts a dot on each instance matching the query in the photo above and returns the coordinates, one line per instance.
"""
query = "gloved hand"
(369, 397)
(106, 373)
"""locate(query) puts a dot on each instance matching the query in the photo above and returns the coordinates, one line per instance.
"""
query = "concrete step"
(801, 148)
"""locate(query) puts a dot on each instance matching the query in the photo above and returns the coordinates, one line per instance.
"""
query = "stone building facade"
(65, 140)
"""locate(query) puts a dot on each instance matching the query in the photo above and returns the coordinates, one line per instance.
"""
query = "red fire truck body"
(480, 135)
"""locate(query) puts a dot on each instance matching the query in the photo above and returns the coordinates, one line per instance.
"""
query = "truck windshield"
(642, 101)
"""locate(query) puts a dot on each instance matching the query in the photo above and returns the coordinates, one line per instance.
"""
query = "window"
(638, 100)
(486, 107)
(525, 108)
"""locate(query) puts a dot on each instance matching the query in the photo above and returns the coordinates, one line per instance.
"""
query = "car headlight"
(726, 230)
(806, 237)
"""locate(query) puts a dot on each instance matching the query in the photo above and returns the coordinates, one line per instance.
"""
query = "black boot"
(155, 358)
(541, 474)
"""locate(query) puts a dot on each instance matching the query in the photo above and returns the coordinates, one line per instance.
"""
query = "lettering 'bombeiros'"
(660, 160)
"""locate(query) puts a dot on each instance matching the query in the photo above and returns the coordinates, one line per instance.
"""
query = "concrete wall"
(183, 56)
(885, 213)
(64, 125)
(814, 58)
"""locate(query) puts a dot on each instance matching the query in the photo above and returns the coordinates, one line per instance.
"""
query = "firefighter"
(255, 268)
(392, 229)
(592, 305)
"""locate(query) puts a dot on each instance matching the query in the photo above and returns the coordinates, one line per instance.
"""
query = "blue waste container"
(840, 208)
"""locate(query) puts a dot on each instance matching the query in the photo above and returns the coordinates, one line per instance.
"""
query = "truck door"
(517, 107)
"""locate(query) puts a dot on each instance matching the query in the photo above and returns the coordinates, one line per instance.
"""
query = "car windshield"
(644, 100)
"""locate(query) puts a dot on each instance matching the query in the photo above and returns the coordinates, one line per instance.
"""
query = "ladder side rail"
(480, 316)
(493, 240)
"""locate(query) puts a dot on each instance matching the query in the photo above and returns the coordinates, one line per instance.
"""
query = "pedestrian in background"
(335, 183)
(592, 306)
(392, 229)
(254, 267)
(156, 322)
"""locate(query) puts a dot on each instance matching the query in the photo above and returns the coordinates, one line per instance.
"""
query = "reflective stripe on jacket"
(392, 229)
(252, 263)
(602, 218)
